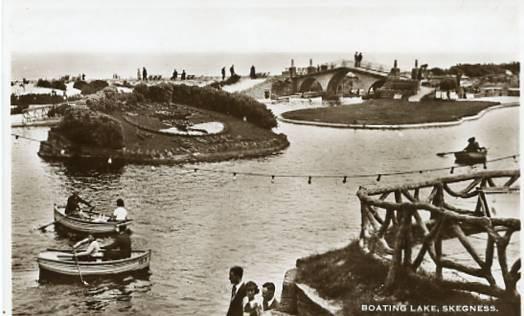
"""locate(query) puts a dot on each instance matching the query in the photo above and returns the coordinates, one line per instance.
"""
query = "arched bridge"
(330, 76)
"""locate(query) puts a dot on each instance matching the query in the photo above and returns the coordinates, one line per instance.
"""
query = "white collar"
(271, 301)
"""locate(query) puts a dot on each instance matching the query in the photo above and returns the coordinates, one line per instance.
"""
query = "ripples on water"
(199, 224)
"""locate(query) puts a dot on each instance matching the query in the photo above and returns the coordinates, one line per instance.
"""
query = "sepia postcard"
(250, 158)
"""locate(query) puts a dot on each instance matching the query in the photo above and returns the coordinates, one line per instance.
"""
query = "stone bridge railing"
(404, 225)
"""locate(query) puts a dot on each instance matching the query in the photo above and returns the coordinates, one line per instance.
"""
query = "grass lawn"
(351, 276)
(391, 112)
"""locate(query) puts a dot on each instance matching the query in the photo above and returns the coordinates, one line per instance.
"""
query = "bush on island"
(53, 84)
(91, 87)
(236, 104)
(91, 128)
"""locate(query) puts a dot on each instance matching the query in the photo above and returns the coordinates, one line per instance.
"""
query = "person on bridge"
(359, 59)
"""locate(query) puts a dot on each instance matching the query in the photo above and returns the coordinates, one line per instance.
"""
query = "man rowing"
(72, 207)
(473, 146)
(92, 252)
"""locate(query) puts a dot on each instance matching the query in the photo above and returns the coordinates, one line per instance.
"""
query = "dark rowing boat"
(59, 263)
(471, 157)
(95, 223)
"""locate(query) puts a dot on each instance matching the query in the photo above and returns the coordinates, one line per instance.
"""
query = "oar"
(447, 153)
(78, 266)
(42, 228)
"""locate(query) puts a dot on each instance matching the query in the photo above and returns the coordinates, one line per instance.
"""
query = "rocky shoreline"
(57, 147)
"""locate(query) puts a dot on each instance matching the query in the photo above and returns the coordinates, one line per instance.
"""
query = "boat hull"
(85, 226)
(51, 263)
(465, 157)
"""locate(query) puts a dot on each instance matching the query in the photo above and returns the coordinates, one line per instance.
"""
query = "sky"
(98, 26)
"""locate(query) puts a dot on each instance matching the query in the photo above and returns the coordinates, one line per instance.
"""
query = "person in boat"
(473, 145)
(92, 252)
(72, 207)
(120, 212)
(120, 248)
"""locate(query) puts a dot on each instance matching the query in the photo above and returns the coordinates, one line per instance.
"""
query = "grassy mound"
(234, 104)
(392, 112)
(356, 279)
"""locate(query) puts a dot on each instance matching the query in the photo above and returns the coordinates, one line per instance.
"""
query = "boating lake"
(198, 224)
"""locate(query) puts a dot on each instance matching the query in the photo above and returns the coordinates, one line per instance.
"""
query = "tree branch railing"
(392, 225)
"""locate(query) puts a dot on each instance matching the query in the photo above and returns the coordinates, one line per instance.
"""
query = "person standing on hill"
(183, 75)
(252, 73)
(144, 73)
(232, 70)
(175, 75)
(223, 73)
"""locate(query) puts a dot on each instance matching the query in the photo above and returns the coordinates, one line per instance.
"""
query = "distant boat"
(96, 224)
(57, 262)
(471, 157)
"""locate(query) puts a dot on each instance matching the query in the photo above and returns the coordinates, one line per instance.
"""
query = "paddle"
(78, 267)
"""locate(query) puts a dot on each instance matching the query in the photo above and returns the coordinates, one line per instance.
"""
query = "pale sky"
(446, 26)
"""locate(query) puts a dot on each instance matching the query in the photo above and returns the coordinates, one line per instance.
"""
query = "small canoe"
(471, 157)
(58, 262)
(96, 223)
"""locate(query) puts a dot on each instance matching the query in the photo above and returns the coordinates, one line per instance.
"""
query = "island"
(163, 123)
(388, 112)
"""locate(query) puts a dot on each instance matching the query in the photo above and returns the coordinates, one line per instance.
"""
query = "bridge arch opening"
(310, 84)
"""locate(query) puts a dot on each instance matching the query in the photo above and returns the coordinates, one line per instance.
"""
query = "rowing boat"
(96, 223)
(54, 262)
(471, 157)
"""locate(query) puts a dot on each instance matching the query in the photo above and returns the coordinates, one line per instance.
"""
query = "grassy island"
(350, 276)
(164, 124)
(392, 112)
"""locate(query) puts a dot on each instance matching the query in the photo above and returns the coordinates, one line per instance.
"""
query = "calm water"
(200, 224)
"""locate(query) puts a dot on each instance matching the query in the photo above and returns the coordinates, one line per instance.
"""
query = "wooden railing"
(397, 220)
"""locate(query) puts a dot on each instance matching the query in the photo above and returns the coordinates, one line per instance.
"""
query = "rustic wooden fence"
(396, 220)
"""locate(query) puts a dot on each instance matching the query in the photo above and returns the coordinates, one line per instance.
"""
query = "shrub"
(54, 84)
(33, 98)
(91, 87)
(87, 127)
(236, 104)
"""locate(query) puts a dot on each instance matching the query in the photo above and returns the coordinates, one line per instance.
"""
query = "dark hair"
(238, 271)
(119, 202)
(252, 286)
(270, 286)
(472, 139)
